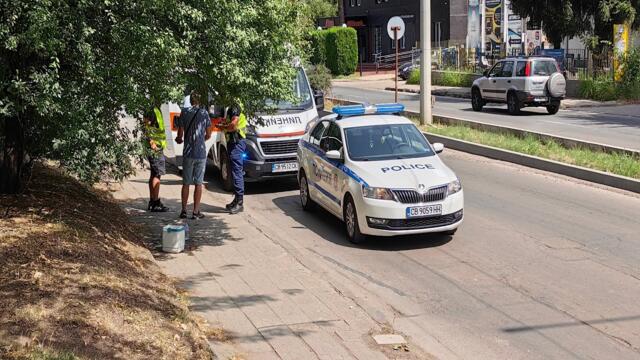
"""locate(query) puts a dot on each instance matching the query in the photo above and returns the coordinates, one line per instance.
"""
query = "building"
(370, 17)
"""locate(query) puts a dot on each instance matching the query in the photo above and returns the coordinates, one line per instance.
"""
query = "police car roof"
(371, 120)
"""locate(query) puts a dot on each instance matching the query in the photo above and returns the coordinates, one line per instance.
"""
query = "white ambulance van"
(271, 146)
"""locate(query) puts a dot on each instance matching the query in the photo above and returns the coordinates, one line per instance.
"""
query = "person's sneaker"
(237, 208)
(183, 214)
(150, 205)
(232, 203)
(198, 215)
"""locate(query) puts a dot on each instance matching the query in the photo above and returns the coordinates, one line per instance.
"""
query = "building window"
(402, 42)
(352, 3)
(359, 2)
(377, 41)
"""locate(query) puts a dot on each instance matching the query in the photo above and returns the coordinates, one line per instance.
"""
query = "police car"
(378, 173)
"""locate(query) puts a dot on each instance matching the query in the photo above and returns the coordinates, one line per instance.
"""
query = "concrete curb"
(598, 177)
(595, 176)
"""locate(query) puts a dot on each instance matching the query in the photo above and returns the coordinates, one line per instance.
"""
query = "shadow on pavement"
(330, 228)
(210, 231)
(568, 324)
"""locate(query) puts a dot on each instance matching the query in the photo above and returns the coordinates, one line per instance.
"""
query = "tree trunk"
(13, 156)
(341, 12)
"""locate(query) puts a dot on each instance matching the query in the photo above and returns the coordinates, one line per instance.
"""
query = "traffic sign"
(396, 22)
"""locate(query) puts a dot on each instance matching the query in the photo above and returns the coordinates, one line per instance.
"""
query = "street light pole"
(425, 62)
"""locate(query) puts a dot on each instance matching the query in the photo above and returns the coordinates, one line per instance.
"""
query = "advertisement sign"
(534, 41)
(620, 45)
(493, 27)
(474, 25)
(557, 54)
(515, 35)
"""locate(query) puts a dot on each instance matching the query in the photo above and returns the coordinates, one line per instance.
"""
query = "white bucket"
(173, 238)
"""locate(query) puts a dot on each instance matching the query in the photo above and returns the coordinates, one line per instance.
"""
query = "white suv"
(520, 82)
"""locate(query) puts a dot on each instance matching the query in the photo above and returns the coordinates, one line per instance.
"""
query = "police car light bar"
(377, 109)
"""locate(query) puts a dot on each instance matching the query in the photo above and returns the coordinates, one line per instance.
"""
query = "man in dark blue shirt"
(194, 128)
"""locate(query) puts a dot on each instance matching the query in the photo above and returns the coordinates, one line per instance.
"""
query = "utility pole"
(425, 62)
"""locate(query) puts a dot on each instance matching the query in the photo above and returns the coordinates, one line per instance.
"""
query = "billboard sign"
(493, 27)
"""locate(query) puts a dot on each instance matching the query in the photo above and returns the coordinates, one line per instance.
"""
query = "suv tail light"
(527, 69)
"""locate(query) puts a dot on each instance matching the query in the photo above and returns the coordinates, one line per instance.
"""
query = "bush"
(601, 88)
(414, 77)
(318, 40)
(446, 78)
(341, 50)
(319, 77)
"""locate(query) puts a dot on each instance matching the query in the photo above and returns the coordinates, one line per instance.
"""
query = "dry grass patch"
(77, 283)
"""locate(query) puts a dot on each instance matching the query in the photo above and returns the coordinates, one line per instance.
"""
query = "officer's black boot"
(237, 207)
(232, 203)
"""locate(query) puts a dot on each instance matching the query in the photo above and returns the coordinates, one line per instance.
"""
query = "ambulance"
(271, 146)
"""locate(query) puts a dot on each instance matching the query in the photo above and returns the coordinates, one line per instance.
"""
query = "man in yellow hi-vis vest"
(157, 140)
(235, 135)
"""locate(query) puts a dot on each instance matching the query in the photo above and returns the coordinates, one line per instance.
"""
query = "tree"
(70, 69)
(589, 18)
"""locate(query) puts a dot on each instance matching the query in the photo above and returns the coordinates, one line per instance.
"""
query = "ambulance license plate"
(284, 167)
(424, 211)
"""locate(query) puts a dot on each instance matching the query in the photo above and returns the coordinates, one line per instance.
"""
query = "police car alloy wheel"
(305, 197)
(351, 222)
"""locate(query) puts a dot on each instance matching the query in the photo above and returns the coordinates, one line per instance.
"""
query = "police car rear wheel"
(305, 197)
(225, 170)
(351, 222)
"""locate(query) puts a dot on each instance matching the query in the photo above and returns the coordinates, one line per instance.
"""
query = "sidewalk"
(271, 305)
(386, 82)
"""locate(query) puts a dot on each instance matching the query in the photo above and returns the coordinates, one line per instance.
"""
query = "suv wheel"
(513, 105)
(476, 100)
(554, 107)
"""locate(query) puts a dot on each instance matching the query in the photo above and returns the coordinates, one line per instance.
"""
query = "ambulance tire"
(351, 222)
(305, 196)
(226, 178)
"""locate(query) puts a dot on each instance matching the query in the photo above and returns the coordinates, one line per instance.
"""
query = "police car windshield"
(386, 142)
(301, 93)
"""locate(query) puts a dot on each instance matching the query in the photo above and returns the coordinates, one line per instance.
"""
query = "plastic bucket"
(173, 238)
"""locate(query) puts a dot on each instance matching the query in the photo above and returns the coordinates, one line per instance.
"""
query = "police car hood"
(285, 124)
(404, 173)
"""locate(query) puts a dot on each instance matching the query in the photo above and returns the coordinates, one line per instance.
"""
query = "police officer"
(235, 134)
(157, 142)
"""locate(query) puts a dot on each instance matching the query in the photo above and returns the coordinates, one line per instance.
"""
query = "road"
(544, 267)
(615, 126)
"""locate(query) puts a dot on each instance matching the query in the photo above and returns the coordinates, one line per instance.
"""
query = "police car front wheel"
(351, 222)
(305, 197)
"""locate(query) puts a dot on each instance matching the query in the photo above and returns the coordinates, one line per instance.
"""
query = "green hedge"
(337, 48)
(318, 40)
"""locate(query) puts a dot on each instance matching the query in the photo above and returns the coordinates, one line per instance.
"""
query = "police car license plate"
(424, 211)
(284, 167)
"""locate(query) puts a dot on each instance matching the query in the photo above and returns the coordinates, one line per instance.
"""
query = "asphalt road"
(610, 125)
(543, 267)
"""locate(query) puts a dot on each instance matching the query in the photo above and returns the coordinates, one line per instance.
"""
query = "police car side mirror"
(438, 147)
(334, 155)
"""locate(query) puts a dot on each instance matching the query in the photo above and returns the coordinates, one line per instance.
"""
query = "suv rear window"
(544, 67)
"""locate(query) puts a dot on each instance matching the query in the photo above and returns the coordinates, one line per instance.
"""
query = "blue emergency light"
(377, 109)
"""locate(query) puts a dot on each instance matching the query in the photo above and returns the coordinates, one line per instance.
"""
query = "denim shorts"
(193, 171)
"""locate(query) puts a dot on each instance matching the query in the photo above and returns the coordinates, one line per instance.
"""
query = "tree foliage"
(69, 70)
(592, 19)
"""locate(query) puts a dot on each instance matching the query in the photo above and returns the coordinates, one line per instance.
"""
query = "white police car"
(377, 172)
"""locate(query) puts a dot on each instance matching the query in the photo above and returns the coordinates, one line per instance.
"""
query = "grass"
(619, 164)
(77, 282)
